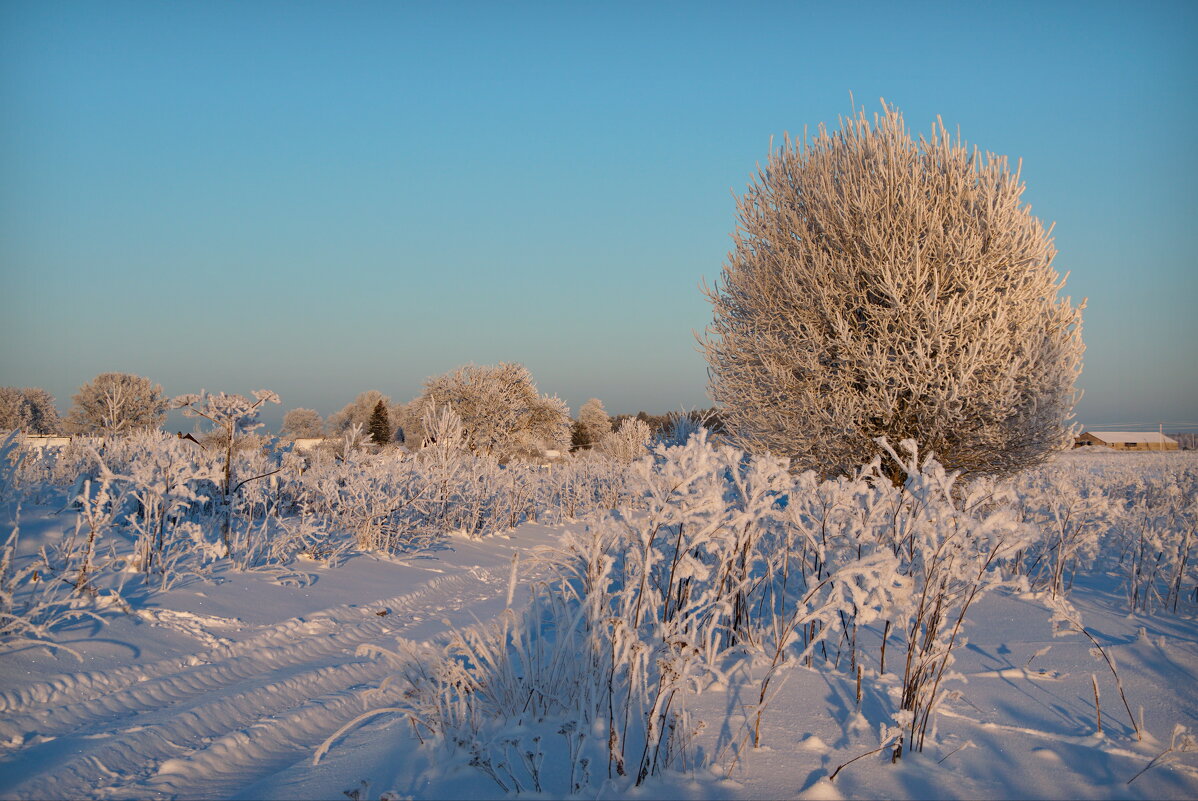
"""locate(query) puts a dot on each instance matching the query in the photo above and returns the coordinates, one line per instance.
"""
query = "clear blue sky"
(325, 198)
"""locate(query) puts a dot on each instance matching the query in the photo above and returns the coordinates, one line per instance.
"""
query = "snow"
(207, 691)
(231, 684)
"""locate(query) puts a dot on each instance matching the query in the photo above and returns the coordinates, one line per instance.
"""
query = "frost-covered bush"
(882, 286)
(1072, 508)
(626, 443)
(301, 423)
(1132, 514)
(502, 413)
(233, 417)
(401, 502)
(159, 509)
(952, 547)
(728, 560)
(56, 586)
(43, 475)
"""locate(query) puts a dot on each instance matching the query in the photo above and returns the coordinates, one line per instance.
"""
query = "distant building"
(40, 442)
(1127, 440)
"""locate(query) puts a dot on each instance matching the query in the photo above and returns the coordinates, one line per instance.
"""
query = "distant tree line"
(501, 411)
(111, 403)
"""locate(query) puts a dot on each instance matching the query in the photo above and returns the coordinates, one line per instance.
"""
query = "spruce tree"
(380, 424)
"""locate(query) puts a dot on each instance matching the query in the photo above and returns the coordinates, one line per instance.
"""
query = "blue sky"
(325, 198)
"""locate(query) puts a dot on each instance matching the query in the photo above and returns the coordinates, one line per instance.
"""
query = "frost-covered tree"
(116, 403)
(593, 423)
(29, 409)
(628, 442)
(302, 422)
(883, 286)
(358, 412)
(380, 424)
(235, 418)
(500, 409)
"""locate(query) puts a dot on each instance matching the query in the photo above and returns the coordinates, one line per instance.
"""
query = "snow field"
(717, 632)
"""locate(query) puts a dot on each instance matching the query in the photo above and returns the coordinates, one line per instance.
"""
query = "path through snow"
(206, 723)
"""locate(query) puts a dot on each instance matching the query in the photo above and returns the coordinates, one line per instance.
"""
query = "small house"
(1127, 440)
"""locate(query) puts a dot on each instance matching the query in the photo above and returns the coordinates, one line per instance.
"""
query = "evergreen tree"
(380, 424)
(578, 437)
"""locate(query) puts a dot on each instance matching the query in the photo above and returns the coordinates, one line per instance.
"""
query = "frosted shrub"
(728, 557)
(33, 598)
(626, 443)
(952, 558)
(152, 505)
(381, 505)
(508, 693)
(639, 613)
(408, 502)
(233, 417)
(1158, 549)
(1072, 510)
(680, 427)
(501, 411)
(583, 486)
(1134, 514)
(165, 479)
(42, 476)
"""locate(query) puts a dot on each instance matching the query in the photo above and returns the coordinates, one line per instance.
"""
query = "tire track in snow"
(235, 760)
(76, 687)
(266, 701)
(314, 700)
(294, 641)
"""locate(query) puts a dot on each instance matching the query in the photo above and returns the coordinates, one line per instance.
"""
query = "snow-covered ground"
(227, 689)
(220, 686)
(240, 683)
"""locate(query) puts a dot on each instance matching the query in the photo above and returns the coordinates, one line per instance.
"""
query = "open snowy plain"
(730, 632)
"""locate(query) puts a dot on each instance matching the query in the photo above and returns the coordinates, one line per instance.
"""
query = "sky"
(327, 198)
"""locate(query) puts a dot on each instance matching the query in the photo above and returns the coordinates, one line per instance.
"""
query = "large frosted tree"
(29, 409)
(116, 403)
(302, 423)
(882, 285)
